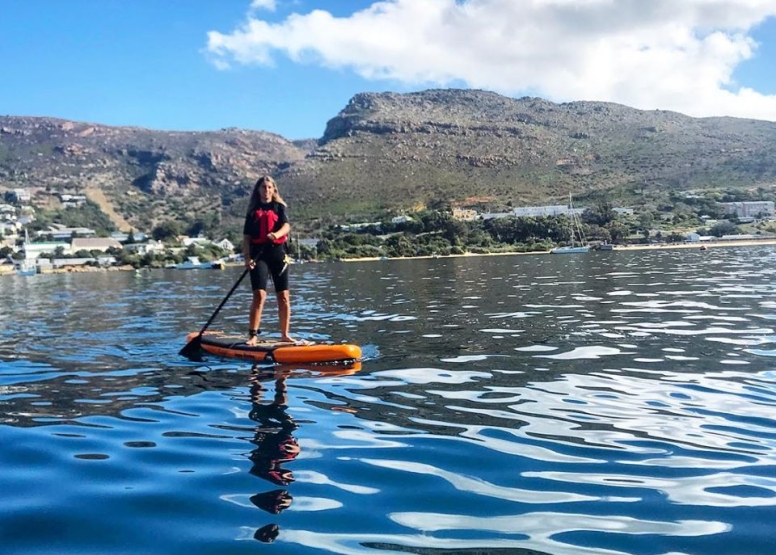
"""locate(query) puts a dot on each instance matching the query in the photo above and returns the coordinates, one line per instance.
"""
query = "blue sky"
(288, 66)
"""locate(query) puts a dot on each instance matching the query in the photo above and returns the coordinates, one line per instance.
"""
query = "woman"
(264, 247)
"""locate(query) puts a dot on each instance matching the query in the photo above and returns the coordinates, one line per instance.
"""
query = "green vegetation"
(660, 216)
(87, 215)
(437, 233)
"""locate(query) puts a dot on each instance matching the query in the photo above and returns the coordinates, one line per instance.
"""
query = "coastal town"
(60, 248)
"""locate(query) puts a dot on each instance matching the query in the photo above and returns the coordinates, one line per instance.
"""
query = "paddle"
(192, 348)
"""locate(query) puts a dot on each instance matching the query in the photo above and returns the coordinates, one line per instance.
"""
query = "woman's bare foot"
(289, 339)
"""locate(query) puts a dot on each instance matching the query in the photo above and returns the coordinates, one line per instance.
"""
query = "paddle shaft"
(193, 346)
(220, 306)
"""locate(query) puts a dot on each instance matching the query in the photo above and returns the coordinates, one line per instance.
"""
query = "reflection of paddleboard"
(271, 350)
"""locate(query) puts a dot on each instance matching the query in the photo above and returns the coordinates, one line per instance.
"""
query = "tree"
(723, 228)
(400, 245)
(167, 230)
(439, 205)
(617, 231)
(646, 221)
(601, 214)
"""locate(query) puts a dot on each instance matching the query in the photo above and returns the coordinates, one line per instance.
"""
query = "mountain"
(394, 150)
(388, 151)
(142, 176)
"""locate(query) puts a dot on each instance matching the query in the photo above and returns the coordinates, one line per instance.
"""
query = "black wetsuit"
(271, 256)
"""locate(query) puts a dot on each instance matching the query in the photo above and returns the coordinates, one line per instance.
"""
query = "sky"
(288, 66)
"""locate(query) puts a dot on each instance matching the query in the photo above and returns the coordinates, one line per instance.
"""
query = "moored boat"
(193, 263)
(578, 241)
(26, 268)
(570, 249)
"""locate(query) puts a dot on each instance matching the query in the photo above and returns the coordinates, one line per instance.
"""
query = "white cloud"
(669, 54)
(263, 5)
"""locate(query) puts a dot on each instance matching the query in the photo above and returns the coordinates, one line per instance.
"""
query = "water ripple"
(630, 412)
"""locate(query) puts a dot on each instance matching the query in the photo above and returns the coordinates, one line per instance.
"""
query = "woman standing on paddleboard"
(264, 247)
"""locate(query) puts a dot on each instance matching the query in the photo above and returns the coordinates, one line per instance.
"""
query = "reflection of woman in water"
(274, 446)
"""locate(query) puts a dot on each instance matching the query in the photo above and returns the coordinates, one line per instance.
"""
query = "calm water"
(609, 403)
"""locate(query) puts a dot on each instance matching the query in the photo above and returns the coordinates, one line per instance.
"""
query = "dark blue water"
(601, 403)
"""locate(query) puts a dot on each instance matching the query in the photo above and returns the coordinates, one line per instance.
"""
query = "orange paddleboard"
(270, 350)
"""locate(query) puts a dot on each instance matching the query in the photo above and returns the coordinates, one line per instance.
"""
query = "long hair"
(256, 196)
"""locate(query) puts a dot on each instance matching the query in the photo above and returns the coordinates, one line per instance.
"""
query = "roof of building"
(93, 243)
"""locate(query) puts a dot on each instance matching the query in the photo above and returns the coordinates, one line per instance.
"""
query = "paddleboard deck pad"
(280, 352)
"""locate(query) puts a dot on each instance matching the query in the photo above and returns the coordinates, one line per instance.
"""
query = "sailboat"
(578, 241)
(26, 266)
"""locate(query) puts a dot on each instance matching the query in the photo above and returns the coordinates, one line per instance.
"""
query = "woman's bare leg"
(254, 318)
(284, 315)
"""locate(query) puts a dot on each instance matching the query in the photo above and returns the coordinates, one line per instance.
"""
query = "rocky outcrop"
(397, 150)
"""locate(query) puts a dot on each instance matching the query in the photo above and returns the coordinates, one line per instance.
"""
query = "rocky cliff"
(400, 149)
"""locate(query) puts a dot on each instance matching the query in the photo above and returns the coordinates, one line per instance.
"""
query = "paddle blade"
(193, 348)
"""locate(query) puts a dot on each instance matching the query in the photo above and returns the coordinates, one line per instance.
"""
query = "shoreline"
(616, 248)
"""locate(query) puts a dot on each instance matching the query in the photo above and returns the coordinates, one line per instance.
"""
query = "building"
(225, 244)
(33, 250)
(751, 210)
(464, 214)
(310, 243)
(496, 215)
(145, 248)
(121, 236)
(188, 241)
(355, 227)
(101, 244)
(72, 201)
(533, 211)
(22, 196)
(403, 219)
(536, 211)
(59, 232)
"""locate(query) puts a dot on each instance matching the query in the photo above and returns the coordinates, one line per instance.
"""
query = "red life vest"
(266, 220)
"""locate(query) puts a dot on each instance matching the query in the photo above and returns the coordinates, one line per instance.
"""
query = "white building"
(33, 250)
(535, 211)
(22, 196)
(121, 236)
(59, 232)
(145, 248)
(101, 244)
(226, 245)
(553, 210)
(404, 219)
(753, 210)
(496, 215)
